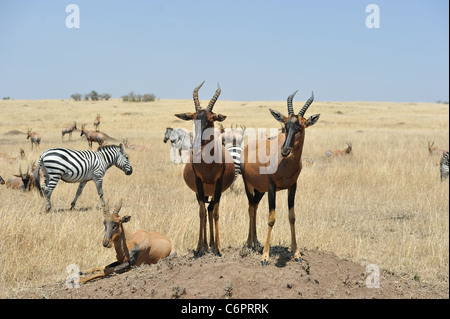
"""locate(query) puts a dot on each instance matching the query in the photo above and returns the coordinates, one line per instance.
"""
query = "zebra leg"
(99, 183)
(79, 191)
(48, 190)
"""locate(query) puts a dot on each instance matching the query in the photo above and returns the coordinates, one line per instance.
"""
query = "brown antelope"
(210, 170)
(92, 136)
(338, 153)
(34, 137)
(136, 147)
(279, 172)
(21, 181)
(142, 247)
(11, 160)
(435, 150)
(97, 122)
(69, 130)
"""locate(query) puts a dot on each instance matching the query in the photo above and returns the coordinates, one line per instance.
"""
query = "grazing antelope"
(338, 153)
(434, 149)
(142, 247)
(210, 170)
(136, 147)
(21, 181)
(34, 137)
(69, 130)
(79, 167)
(92, 136)
(2, 181)
(280, 172)
(97, 122)
(181, 141)
(443, 166)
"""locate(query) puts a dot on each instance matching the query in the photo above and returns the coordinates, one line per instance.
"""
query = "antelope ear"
(185, 116)
(278, 116)
(219, 117)
(126, 219)
(312, 120)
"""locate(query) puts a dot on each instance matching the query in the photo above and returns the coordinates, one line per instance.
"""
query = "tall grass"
(384, 204)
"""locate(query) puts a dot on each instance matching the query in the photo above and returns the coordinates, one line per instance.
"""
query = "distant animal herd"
(207, 178)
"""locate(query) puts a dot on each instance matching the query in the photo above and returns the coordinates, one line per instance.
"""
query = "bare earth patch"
(238, 275)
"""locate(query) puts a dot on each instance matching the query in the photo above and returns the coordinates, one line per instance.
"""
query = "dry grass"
(383, 205)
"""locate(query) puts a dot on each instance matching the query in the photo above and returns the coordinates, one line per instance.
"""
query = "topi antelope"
(435, 150)
(280, 172)
(92, 136)
(97, 122)
(338, 153)
(11, 160)
(34, 137)
(69, 130)
(142, 247)
(21, 181)
(136, 147)
(210, 170)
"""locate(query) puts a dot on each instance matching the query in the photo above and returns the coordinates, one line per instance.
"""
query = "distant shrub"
(132, 97)
(76, 97)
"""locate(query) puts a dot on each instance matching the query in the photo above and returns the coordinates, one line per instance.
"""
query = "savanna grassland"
(383, 205)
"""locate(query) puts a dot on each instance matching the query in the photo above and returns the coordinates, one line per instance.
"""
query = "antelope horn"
(214, 99)
(195, 94)
(289, 103)
(307, 104)
(117, 209)
(106, 208)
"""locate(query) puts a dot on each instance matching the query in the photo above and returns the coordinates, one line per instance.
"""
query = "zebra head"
(167, 134)
(122, 161)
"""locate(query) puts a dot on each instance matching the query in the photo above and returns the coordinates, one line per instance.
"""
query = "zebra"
(232, 140)
(181, 140)
(444, 166)
(74, 166)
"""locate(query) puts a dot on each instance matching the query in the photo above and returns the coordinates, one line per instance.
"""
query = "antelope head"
(294, 124)
(113, 225)
(83, 129)
(29, 133)
(203, 118)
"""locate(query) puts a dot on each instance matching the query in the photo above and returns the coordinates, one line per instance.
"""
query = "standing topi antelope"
(92, 136)
(142, 247)
(97, 122)
(435, 150)
(69, 130)
(210, 170)
(34, 137)
(79, 167)
(338, 153)
(280, 172)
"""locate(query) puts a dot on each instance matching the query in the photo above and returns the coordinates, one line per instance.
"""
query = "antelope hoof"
(264, 263)
(298, 259)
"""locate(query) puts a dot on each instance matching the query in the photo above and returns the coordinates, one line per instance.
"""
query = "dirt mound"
(238, 275)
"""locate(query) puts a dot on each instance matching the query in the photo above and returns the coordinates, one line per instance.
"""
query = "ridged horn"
(214, 99)
(195, 94)
(307, 104)
(289, 103)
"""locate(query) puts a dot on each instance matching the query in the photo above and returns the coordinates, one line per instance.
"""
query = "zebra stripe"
(74, 166)
(444, 166)
(235, 152)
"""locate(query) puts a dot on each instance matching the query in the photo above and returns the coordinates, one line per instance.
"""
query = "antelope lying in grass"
(280, 172)
(92, 136)
(21, 181)
(136, 147)
(10, 160)
(97, 122)
(435, 150)
(210, 170)
(142, 247)
(69, 130)
(338, 153)
(34, 137)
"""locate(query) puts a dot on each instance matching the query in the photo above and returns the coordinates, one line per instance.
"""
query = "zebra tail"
(37, 177)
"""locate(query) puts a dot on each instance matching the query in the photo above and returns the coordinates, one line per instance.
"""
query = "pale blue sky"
(255, 49)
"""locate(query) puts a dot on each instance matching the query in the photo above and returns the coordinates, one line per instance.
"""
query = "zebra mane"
(107, 147)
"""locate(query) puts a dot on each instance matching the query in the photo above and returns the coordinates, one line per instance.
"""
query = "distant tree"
(125, 98)
(6, 98)
(149, 98)
(86, 97)
(106, 96)
(76, 96)
(131, 96)
(94, 96)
